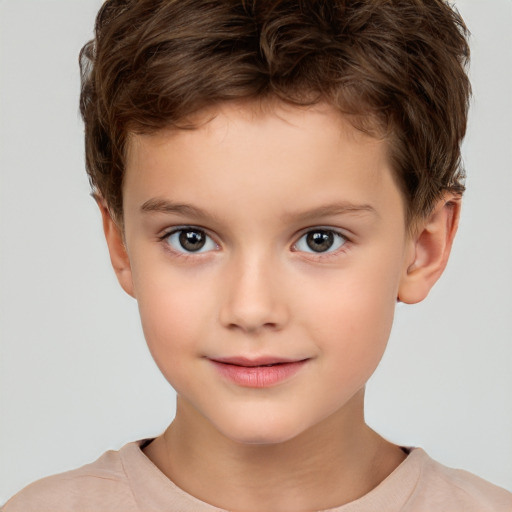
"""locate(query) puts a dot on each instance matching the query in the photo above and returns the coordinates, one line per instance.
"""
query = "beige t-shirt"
(127, 481)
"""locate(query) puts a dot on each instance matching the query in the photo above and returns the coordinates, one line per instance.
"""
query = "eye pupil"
(320, 241)
(192, 240)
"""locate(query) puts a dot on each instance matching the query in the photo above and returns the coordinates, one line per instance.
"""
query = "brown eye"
(320, 240)
(190, 240)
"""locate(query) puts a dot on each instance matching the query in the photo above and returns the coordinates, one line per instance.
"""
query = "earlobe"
(429, 250)
(116, 247)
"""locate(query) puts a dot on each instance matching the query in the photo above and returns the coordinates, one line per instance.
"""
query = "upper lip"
(258, 361)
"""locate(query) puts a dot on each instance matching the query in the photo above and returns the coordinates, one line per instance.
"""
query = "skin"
(262, 179)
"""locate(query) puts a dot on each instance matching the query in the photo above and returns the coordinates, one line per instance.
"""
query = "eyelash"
(316, 255)
(183, 254)
(329, 253)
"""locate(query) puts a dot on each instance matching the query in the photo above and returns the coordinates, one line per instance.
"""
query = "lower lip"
(259, 376)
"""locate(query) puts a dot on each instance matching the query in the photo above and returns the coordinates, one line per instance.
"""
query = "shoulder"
(101, 485)
(441, 488)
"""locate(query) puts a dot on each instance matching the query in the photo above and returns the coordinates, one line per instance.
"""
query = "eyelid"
(176, 229)
(338, 231)
(328, 253)
(164, 233)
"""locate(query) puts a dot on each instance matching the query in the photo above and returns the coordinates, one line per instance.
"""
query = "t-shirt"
(127, 481)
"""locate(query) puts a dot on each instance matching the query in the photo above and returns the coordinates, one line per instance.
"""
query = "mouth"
(257, 373)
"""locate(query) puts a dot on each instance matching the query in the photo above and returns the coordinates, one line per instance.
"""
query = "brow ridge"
(160, 205)
(343, 207)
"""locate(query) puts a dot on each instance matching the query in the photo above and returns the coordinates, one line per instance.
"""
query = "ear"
(430, 248)
(117, 249)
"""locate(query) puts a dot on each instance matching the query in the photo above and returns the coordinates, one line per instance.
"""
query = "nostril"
(252, 327)
(252, 300)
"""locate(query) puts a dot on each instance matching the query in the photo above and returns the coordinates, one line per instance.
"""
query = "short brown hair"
(397, 67)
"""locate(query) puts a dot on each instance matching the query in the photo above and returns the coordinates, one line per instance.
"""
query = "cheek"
(353, 317)
(172, 328)
(174, 311)
(359, 330)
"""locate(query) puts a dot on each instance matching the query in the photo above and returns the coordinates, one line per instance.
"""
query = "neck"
(332, 463)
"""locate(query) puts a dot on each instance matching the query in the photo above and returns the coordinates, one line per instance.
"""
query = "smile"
(258, 373)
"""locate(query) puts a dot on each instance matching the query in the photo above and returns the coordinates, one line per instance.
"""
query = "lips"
(261, 372)
(260, 361)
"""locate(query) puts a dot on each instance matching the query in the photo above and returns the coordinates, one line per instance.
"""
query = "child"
(273, 177)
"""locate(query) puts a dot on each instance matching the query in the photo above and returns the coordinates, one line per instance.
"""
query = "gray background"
(76, 377)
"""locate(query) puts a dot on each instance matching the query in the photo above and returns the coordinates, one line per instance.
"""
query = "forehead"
(265, 113)
(250, 152)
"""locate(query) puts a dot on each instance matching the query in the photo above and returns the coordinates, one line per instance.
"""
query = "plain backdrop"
(76, 377)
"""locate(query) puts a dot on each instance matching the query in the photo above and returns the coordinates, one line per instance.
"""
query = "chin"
(259, 438)
(260, 432)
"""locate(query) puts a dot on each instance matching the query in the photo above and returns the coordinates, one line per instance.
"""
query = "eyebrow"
(329, 210)
(160, 205)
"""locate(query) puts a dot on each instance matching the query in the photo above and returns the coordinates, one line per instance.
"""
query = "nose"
(253, 296)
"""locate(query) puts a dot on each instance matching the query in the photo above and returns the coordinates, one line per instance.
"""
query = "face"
(265, 252)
